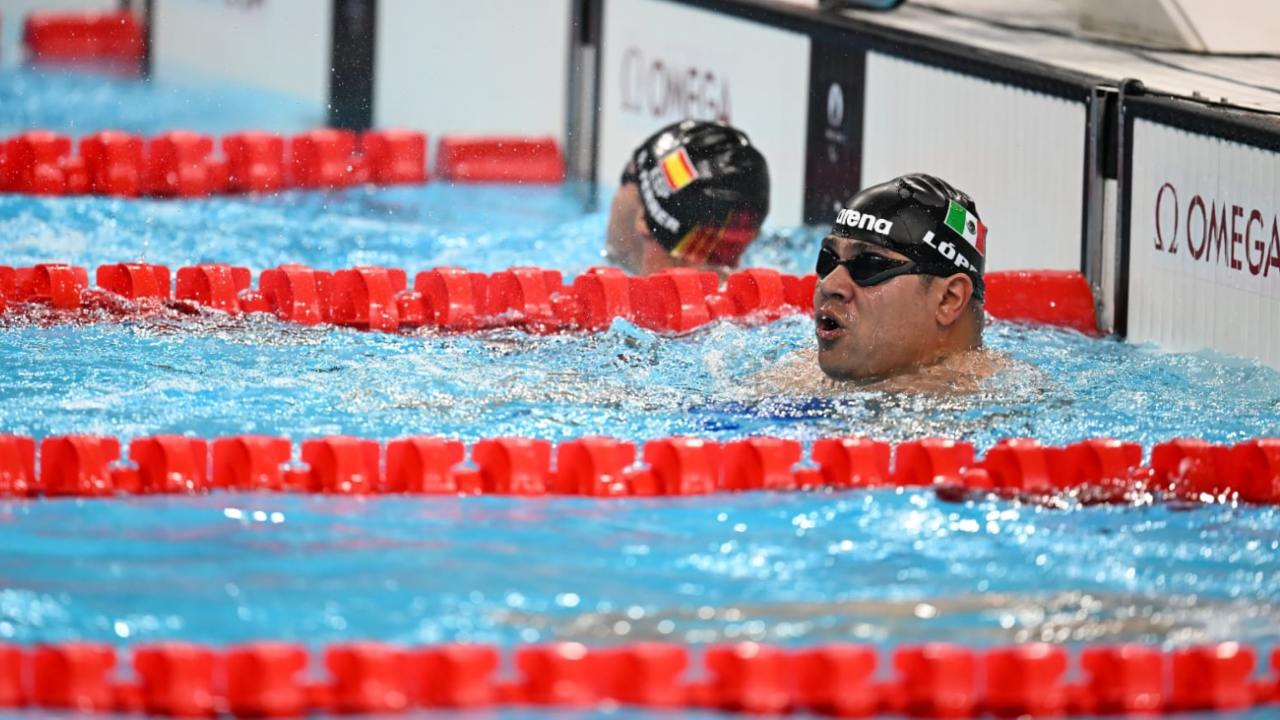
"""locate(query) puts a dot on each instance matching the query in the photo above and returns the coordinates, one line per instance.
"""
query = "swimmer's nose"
(837, 285)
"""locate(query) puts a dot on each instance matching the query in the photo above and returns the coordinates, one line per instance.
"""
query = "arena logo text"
(1216, 231)
(864, 221)
(665, 89)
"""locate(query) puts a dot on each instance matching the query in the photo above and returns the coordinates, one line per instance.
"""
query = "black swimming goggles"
(868, 268)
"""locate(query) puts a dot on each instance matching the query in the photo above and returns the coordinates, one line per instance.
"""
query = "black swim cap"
(705, 190)
(924, 218)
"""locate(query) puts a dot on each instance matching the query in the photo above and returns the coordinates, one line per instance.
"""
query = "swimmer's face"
(866, 333)
(627, 234)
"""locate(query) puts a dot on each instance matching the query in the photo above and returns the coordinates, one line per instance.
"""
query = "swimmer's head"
(900, 279)
(694, 194)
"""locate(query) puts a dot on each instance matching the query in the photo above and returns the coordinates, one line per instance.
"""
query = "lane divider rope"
(116, 40)
(1092, 471)
(182, 164)
(452, 299)
(271, 679)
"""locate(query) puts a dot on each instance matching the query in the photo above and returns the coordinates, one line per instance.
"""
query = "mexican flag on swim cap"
(966, 225)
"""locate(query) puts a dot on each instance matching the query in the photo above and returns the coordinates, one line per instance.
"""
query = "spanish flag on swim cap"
(678, 169)
(705, 190)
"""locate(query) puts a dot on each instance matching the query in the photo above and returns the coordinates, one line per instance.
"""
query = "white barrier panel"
(480, 66)
(13, 15)
(277, 45)
(1019, 153)
(663, 62)
(1204, 243)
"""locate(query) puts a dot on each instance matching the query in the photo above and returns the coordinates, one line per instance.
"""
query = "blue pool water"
(216, 377)
(881, 567)
(79, 103)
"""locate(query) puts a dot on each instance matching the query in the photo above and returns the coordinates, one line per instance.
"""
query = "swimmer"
(900, 288)
(693, 195)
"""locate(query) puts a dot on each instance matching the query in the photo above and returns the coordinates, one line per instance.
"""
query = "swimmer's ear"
(954, 293)
(642, 226)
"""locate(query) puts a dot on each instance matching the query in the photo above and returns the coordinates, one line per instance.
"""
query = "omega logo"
(1219, 233)
(663, 89)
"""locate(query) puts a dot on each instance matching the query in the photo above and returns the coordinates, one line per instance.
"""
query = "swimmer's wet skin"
(694, 194)
(900, 282)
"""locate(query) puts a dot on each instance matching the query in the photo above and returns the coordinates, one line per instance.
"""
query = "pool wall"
(1198, 207)
(282, 45)
(484, 66)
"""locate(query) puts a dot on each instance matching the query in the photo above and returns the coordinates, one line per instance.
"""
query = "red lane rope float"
(1051, 297)
(379, 298)
(501, 159)
(1097, 470)
(183, 164)
(115, 39)
(275, 679)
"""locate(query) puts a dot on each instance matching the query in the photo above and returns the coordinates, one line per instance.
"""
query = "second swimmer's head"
(694, 194)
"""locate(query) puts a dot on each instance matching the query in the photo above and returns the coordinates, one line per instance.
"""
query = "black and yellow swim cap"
(924, 218)
(705, 190)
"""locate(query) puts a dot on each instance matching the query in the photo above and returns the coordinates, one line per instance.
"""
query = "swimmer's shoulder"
(796, 374)
(981, 370)
(964, 373)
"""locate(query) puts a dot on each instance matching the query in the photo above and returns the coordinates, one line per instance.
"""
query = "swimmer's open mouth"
(827, 326)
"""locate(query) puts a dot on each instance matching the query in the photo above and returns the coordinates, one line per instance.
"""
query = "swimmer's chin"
(843, 375)
(870, 382)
